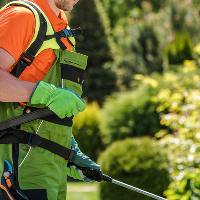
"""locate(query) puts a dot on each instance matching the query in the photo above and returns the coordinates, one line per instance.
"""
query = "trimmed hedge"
(139, 162)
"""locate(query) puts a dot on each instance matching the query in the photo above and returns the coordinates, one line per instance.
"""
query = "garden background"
(142, 90)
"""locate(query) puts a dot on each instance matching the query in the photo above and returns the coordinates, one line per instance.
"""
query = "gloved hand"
(81, 160)
(61, 101)
(76, 173)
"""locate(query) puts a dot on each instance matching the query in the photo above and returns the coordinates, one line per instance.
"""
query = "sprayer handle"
(96, 175)
(93, 174)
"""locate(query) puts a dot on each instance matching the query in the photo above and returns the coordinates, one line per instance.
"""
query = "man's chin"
(69, 8)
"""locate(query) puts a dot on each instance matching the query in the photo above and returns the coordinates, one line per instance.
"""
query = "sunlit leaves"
(146, 80)
(187, 187)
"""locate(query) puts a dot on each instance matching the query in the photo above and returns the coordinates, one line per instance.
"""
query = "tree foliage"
(100, 80)
(123, 9)
(149, 41)
(179, 50)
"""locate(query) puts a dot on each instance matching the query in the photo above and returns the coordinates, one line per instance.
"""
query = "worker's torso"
(62, 68)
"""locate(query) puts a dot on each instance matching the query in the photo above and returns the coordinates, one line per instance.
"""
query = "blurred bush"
(131, 114)
(119, 10)
(86, 130)
(139, 162)
(179, 110)
(186, 187)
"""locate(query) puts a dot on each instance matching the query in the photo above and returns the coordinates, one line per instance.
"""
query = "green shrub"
(138, 162)
(186, 188)
(87, 132)
(130, 114)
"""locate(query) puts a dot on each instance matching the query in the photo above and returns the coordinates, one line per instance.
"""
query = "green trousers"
(37, 167)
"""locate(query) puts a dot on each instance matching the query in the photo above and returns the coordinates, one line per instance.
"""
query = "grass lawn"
(82, 191)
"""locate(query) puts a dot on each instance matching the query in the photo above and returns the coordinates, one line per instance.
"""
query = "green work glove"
(81, 160)
(63, 102)
(77, 173)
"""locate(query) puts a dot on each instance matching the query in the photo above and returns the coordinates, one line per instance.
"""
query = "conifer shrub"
(139, 162)
(99, 79)
(179, 50)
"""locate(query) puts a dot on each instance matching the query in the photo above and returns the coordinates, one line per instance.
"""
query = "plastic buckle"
(71, 154)
(34, 140)
(26, 59)
(29, 140)
(28, 56)
(68, 33)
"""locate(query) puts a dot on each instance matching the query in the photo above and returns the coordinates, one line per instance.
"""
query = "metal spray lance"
(99, 176)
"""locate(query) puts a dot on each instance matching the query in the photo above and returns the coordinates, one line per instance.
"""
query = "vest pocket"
(72, 78)
(73, 66)
(69, 72)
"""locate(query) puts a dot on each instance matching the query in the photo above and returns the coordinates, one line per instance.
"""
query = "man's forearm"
(13, 89)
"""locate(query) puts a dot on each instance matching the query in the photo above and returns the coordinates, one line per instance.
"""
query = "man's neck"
(53, 7)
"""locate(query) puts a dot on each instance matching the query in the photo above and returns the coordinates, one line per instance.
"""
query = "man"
(52, 78)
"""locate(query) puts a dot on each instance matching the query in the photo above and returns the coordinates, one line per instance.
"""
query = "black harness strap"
(33, 113)
(69, 32)
(60, 43)
(53, 118)
(64, 33)
(28, 57)
(18, 136)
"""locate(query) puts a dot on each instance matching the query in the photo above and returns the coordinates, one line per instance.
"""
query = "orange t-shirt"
(17, 26)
